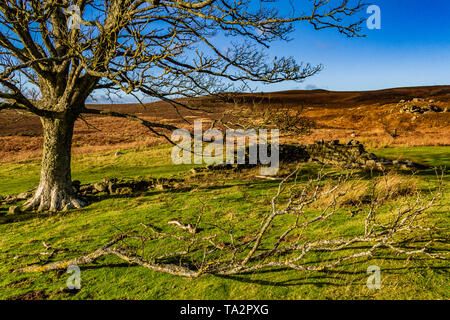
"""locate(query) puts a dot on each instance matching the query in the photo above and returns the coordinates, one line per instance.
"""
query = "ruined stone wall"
(349, 155)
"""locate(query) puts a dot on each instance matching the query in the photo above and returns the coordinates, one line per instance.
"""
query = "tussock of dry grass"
(395, 185)
(357, 192)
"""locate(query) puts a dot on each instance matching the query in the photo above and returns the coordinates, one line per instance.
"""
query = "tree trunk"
(55, 191)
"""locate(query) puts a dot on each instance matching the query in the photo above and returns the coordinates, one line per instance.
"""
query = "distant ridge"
(318, 97)
(327, 98)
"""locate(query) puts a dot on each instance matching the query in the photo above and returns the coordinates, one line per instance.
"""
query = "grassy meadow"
(232, 199)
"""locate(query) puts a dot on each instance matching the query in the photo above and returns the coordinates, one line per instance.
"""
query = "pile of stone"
(116, 186)
(352, 155)
(219, 167)
(294, 153)
(107, 186)
(420, 110)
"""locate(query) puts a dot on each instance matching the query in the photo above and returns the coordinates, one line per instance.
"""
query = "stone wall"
(349, 155)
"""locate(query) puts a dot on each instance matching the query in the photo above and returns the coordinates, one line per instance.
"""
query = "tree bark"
(55, 191)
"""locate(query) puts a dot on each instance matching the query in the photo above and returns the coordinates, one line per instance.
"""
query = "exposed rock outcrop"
(420, 106)
(420, 110)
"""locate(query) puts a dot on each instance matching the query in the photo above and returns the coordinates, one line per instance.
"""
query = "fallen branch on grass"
(48, 254)
(401, 232)
(268, 178)
(187, 227)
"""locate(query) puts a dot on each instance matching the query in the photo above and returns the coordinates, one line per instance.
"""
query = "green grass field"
(232, 199)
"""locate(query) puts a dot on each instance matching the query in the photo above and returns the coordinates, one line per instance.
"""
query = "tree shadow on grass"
(316, 280)
(245, 277)
(23, 216)
(341, 277)
(98, 198)
(322, 278)
(29, 215)
(93, 199)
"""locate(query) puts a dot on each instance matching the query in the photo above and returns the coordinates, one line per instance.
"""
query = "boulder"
(160, 187)
(100, 187)
(435, 108)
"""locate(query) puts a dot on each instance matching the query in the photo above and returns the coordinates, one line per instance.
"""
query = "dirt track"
(370, 117)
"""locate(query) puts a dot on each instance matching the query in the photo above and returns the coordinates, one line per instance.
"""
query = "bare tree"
(160, 48)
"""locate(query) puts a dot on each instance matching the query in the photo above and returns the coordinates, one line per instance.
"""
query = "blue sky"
(412, 48)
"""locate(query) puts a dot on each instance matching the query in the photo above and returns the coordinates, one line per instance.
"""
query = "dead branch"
(49, 253)
(187, 227)
(401, 232)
